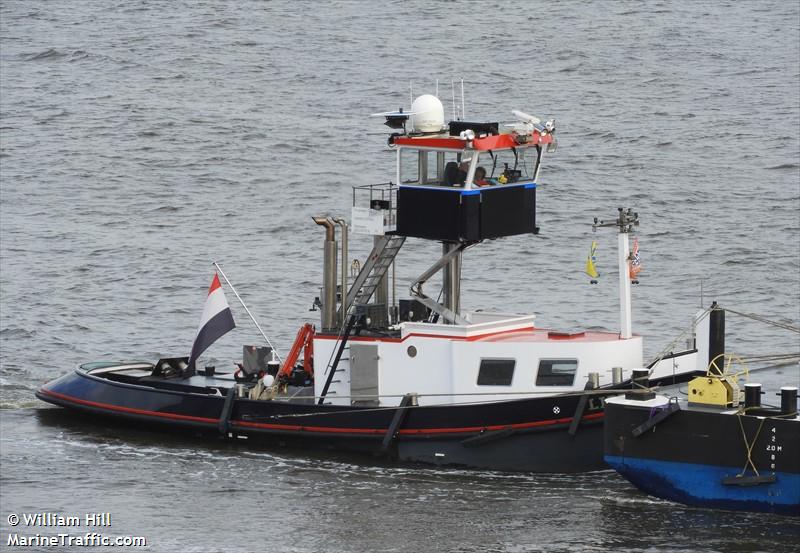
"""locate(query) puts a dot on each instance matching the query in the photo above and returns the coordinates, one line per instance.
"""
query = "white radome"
(268, 380)
(427, 114)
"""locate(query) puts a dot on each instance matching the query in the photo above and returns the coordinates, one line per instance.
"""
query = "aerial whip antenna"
(453, 88)
(463, 109)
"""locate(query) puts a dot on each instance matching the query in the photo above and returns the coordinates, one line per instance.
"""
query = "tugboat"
(712, 449)
(420, 380)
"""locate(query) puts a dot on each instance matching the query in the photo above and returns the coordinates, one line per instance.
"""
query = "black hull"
(530, 435)
(699, 457)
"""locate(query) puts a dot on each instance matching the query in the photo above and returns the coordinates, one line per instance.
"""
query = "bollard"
(640, 378)
(616, 375)
(788, 400)
(752, 395)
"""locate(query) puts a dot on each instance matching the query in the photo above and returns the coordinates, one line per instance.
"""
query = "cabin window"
(428, 167)
(496, 372)
(556, 372)
(409, 166)
(509, 166)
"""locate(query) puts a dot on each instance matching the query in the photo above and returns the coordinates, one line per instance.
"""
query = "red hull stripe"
(121, 409)
(321, 429)
(414, 431)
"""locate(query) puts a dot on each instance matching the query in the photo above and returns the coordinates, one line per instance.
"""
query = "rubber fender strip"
(670, 410)
(576, 418)
(749, 480)
(397, 421)
(227, 408)
(488, 437)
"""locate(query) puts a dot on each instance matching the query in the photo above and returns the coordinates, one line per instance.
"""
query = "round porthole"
(412, 351)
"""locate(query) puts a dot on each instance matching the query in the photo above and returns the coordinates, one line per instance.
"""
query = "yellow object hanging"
(591, 270)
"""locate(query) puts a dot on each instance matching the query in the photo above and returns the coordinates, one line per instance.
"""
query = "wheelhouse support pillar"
(451, 276)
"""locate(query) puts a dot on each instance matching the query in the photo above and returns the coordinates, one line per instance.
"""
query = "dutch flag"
(217, 320)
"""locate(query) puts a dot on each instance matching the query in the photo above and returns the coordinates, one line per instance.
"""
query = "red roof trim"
(449, 143)
(491, 142)
(426, 335)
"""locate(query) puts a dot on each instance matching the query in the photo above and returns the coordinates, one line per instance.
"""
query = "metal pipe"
(624, 286)
(328, 273)
(343, 223)
(382, 291)
(330, 230)
(451, 276)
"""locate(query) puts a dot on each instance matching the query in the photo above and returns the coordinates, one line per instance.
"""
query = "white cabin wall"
(597, 357)
(449, 368)
(428, 372)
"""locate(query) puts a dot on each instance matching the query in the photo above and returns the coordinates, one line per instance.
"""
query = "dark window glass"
(496, 372)
(556, 372)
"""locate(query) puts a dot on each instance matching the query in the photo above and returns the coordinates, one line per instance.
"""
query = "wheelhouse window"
(509, 166)
(430, 167)
(556, 372)
(496, 372)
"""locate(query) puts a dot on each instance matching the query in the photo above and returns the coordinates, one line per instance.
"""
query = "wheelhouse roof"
(485, 143)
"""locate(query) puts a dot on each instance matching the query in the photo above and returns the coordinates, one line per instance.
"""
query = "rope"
(765, 320)
(787, 358)
(531, 393)
(671, 346)
(396, 407)
(749, 446)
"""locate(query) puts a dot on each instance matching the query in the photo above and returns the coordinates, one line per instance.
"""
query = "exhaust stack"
(328, 273)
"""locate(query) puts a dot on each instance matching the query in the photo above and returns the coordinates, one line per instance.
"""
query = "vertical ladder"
(365, 284)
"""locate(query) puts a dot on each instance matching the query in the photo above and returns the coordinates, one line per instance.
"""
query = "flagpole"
(255, 322)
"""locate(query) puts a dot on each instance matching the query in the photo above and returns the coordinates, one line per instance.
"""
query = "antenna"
(411, 91)
(437, 88)
(463, 110)
(453, 87)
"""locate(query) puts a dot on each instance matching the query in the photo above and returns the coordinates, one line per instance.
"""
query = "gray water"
(139, 141)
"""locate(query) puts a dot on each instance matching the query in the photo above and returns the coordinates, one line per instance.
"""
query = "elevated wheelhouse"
(440, 198)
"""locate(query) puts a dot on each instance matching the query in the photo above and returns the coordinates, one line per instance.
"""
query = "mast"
(626, 220)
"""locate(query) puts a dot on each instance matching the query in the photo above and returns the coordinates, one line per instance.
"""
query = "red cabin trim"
(473, 338)
(492, 142)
